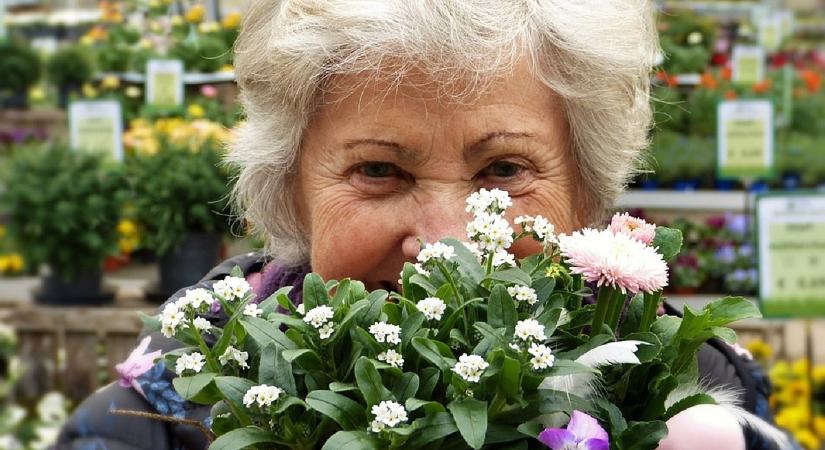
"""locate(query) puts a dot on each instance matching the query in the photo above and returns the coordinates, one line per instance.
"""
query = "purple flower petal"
(594, 444)
(557, 438)
(585, 427)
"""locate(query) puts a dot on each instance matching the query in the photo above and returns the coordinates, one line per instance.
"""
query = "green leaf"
(423, 282)
(369, 382)
(276, 370)
(668, 241)
(499, 434)
(305, 358)
(336, 386)
(687, 402)
(405, 387)
(264, 333)
(242, 438)
(432, 352)
(352, 440)
(468, 264)
(347, 413)
(568, 367)
(470, 417)
(233, 389)
(643, 435)
(430, 407)
(614, 415)
(666, 327)
(376, 301)
(190, 387)
(724, 333)
(496, 335)
(501, 309)
(431, 428)
(236, 272)
(150, 322)
(315, 292)
(513, 275)
(341, 293)
(429, 380)
(343, 328)
(731, 309)
(509, 381)
(410, 326)
(550, 319)
(544, 287)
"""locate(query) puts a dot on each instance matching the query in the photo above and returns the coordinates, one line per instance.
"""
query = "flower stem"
(602, 305)
(649, 312)
(210, 358)
(617, 302)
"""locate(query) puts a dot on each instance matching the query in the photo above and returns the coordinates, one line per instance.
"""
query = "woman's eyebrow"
(478, 146)
(404, 154)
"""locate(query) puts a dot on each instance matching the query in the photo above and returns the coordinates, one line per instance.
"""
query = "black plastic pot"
(65, 92)
(15, 100)
(186, 264)
(81, 289)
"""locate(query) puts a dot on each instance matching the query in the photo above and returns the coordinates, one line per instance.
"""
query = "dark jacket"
(92, 426)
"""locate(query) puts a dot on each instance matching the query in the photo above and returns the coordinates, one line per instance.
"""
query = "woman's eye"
(378, 170)
(503, 169)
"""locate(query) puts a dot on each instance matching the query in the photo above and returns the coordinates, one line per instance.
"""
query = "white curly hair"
(595, 54)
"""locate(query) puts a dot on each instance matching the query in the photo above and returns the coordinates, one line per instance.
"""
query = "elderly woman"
(368, 124)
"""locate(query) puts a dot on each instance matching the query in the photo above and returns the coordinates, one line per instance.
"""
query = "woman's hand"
(703, 427)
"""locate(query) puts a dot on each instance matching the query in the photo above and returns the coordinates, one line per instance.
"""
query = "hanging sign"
(748, 64)
(745, 139)
(96, 126)
(771, 31)
(791, 250)
(164, 82)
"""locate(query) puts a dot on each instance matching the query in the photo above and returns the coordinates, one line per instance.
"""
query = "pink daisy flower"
(615, 260)
(634, 227)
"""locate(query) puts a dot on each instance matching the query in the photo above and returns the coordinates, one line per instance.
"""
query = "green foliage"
(72, 65)
(63, 208)
(178, 191)
(203, 54)
(20, 66)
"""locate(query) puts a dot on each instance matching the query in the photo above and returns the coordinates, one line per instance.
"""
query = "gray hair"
(595, 54)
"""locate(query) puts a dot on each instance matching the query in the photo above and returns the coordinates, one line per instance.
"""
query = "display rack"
(712, 201)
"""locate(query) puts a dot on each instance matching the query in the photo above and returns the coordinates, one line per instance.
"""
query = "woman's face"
(382, 167)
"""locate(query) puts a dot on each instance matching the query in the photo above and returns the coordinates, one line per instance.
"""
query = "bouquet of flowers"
(562, 349)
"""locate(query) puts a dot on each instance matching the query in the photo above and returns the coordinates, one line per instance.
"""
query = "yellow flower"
(780, 373)
(196, 111)
(554, 270)
(806, 439)
(15, 262)
(110, 82)
(819, 375)
(209, 27)
(176, 21)
(794, 418)
(154, 4)
(819, 426)
(128, 245)
(126, 227)
(4, 264)
(799, 389)
(37, 93)
(231, 21)
(133, 92)
(801, 367)
(89, 91)
(227, 68)
(87, 41)
(760, 349)
(195, 14)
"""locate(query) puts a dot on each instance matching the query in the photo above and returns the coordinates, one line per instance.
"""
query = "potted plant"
(68, 69)
(180, 205)
(687, 274)
(20, 68)
(63, 211)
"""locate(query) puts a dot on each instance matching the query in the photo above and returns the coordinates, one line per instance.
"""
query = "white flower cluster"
(538, 226)
(436, 250)
(320, 318)
(202, 324)
(386, 332)
(252, 310)
(492, 201)
(387, 414)
(542, 356)
(233, 354)
(523, 294)
(492, 232)
(173, 317)
(191, 361)
(432, 307)
(232, 288)
(470, 367)
(263, 394)
(530, 329)
(502, 257)
(198, 297)
(392, 358)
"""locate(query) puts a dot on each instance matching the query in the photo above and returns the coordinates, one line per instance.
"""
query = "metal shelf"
(734, 201)
(188, 78)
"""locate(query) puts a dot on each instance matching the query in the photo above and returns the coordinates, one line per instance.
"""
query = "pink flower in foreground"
(634, 227)
(615, 260)
(136, 365)
(207, 90)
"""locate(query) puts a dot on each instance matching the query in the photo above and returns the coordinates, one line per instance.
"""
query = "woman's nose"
(435, 220)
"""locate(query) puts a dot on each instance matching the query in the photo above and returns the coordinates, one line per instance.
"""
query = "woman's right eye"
(378, 170)
(379, 178)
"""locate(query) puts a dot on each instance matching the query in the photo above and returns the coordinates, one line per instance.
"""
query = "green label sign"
(164, 82)
(96, 126)
(791, 232)
(745, 139)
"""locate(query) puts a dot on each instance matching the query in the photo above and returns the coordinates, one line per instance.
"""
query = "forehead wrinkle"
(403, 154)
(480, 146)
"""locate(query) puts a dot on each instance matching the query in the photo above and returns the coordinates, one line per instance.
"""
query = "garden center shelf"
(188, 78)
(732, 201)
(695, 301)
